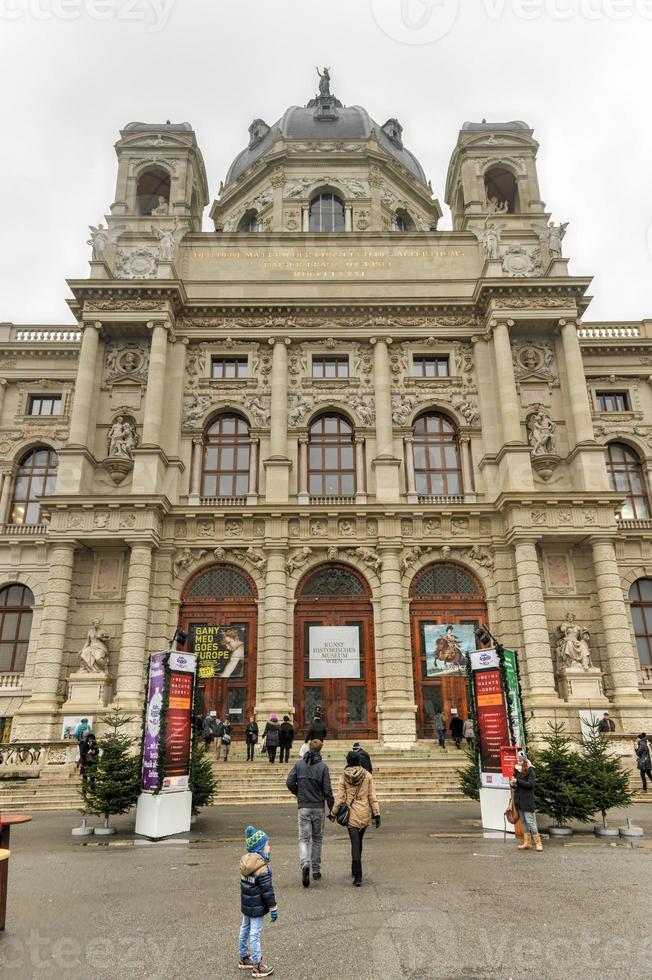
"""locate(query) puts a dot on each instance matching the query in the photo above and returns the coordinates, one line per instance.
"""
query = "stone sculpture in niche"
(573, 645)
(94, 655)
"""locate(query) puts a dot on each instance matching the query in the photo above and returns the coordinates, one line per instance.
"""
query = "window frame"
(601, 398)
(630, 464)
(427, 477)
(317, 201)
(338, 360)
(33, 399)
(322, 440)
(424, 359)
(31, 473)
(645, 605)
(238, 360)
(20, 610)
(223, 442)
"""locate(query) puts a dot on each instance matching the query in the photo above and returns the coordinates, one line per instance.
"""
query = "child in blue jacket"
(256, 900)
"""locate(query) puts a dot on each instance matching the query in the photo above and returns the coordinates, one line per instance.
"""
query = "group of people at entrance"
(353, 805)
(460, 728)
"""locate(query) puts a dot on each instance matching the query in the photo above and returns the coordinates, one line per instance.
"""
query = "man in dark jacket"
(286, 735)
(365, 759)
(317, 729)
(310, 782)
(606, 725)
(457, 730)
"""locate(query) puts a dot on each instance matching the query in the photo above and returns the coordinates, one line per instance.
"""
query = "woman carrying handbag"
(355, 806)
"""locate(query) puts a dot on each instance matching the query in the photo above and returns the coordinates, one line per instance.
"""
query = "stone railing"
(67, 336)
(646, 674)
(223, 501)
(23, 530)
(439, 499)
(608, 333)
(332, 501)
(10, 680)
(16, 755)
(635, 524)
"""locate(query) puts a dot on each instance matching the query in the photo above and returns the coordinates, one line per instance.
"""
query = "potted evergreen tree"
(607, 780)
(562, 789)
(203, 781)
(116, 786)
(469, 776)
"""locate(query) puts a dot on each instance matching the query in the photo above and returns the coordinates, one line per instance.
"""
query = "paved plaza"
(439, 901)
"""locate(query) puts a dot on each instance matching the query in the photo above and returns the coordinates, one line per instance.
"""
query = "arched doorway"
(334, 666)
(225, 596)
(442, 595)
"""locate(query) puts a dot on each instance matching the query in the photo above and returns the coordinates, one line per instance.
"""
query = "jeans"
(285, 753)
(250, 931)
(251, 748)
(441, 735)
(356, 836)
(271, 752)
(226, 751)
(311, 836)
(644, 773)
(529, 821)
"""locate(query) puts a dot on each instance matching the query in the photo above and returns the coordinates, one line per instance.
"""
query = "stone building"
(326, 413)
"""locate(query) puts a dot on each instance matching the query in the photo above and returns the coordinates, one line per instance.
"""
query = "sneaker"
(357, 883)
(305, 877)
(245, 963)
(316, 875)
(262, 970)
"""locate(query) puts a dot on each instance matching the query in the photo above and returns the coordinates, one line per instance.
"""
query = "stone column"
(575, 379)
(3, 391)
(412, 496)
(195, 469)
(360, 471)
(275, 661)
(488, 408)
(506, 393)
(7, 479)
(134, 650)
(305, 219)
(252, 493)
(396, 705)
(466, 463)
(85, 385)
(174, 389)
(156, 377)
(278, 465)
(348, 218)
(51, 648)
(303, 496)
(622, 657)
(538, 664)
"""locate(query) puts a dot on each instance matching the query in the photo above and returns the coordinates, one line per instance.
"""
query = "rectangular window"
(330, 367)
(45, 405)
(612, 401)
(227, 368)
(430, 366)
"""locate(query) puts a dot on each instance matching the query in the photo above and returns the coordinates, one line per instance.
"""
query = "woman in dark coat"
(287, 738)
(251, 737)
(523, 781)
(272, 738)
(643, 760)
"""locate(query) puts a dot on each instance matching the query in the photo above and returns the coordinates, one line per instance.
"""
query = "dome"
(325, 118)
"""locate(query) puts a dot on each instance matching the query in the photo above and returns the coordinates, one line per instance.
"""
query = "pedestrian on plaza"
(286, 735)
(606, 725)
(209, 729)
(257, 898)
(457, 730)
(365, 758)
(523, 781)
(309, 780)
(197, 725)
(251, 738)
(317, 728)
(89, 753)
(439, 722)
(357, 790)
(469, 732)
(272, 738)
(643, 760)
(219, 732)
(81, 728)
(227, 735)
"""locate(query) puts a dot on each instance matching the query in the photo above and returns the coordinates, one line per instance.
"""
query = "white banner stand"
(163, 814)
(493, 803)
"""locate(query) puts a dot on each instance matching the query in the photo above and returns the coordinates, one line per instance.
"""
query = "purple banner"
(151, 745)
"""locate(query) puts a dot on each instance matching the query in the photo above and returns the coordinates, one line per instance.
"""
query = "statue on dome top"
(324, 83)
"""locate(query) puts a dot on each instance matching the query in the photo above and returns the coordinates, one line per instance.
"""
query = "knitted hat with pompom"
(255, 840)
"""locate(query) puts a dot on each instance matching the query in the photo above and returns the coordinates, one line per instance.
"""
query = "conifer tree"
(469, 776)
(203, 781)
(116, 785)
(607, 780)
(562, 789)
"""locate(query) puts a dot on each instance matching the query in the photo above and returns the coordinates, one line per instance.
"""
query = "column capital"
(574, 324)
(481, 338)
(272, 341)
(500, 321)
(388, 341)
(358, 439)
(304, 440)
(408, 439)
(94, 324)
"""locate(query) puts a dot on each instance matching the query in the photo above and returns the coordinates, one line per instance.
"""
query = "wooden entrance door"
(466, 606)
(225, 596)
(348, 705)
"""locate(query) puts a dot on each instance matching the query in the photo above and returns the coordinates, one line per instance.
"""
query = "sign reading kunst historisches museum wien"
(334, 652)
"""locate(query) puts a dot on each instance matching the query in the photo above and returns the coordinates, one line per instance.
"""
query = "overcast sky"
(576, 70)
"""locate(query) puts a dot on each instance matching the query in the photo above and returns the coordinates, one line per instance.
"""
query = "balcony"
(609, 333)
(439, 500)
(332, 501)
(635, 524)
(23, 530)
(71, 336)
(10, 681)
(223, 501)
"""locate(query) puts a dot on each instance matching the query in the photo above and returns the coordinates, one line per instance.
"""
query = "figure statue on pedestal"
(541, 429)
(94, 655)
(168, 241)
(553, 235)
(122, 438)
(324, 83)
(573, 645)
(489, 238)
(162, 208)
(99, 241)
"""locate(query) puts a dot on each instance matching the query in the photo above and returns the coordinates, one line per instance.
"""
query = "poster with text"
(491, 715)
(220, 651)
(334, 652)
(154, 709)
(447, 648)
(178, 718)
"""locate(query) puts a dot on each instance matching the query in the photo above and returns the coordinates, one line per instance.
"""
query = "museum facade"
(337, 435)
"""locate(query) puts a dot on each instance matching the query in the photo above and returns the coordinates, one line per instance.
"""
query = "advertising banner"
(178, 719)
(220, 651)
(491, 715)
(447, 648)
(514, 696)
(508, 759)
(153, 712)
(334, 652)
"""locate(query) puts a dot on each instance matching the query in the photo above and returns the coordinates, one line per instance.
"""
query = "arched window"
(331, 463)
(16, 603)
(225, 467)
(327, 213)
(437, 468)
(153, 191)
(36, 478)
(626, 476)
(501, 189)
(640, 596)
(249, 222)
(403, 221)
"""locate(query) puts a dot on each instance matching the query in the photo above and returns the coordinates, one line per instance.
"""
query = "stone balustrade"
(23, 530)
(16, 755)
(11, 680)
(47, 336)
(608, 333)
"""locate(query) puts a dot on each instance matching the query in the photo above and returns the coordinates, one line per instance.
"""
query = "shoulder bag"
(511, 813)
(344, 812)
